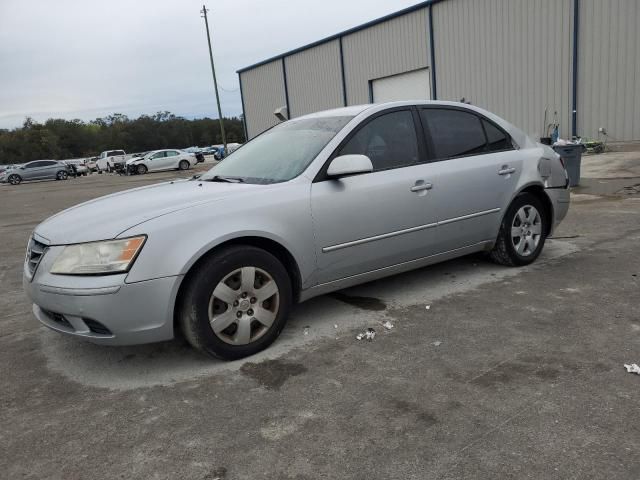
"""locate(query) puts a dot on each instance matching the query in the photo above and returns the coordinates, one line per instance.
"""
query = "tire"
(109, 169)
(62, 175)
(241, 333)
(525, 216)
(14, 179)
(141, 169)
(184, 165)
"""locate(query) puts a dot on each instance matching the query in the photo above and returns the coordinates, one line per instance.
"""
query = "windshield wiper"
(222, 178)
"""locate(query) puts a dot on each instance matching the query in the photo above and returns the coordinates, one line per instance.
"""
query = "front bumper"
(103, 309)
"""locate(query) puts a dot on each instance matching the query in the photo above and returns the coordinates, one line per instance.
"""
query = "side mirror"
(349, 165)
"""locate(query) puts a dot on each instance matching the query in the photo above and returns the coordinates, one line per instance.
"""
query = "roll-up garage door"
(414, 85)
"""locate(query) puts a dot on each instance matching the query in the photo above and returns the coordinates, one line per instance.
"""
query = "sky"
(89, 58)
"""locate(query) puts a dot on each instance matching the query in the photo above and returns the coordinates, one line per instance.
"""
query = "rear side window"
(454, 133)
(388, 140)
(497, 140)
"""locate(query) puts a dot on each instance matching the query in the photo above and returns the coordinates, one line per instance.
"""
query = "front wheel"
(141, 169)
(62, 175)
(522, 232)
(235, 303)
(15, 179)
(184, 165)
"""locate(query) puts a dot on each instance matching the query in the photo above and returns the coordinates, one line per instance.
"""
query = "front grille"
(96, 327)
(35, 252)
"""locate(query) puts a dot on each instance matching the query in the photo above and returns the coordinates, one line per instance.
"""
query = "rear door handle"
(505, 170)
(421, 187)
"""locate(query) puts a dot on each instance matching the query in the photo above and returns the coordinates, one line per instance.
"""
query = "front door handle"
(420, 187)
(506, 170)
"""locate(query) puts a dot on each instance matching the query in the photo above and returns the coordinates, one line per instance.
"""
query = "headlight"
(112, 256)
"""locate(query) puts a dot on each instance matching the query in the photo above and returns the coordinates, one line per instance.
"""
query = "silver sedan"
(313, 205)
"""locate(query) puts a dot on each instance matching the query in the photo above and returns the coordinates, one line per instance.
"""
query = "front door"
(379, 219)
(156, 161)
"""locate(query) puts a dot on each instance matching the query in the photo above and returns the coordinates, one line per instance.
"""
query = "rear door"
(477, 168)
(50, 169)
(171, 159)
(375, 220)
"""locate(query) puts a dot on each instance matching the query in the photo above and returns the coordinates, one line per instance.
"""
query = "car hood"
(133, 159)
(107, 217)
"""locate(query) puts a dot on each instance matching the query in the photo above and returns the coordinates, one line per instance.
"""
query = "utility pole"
(215, 82)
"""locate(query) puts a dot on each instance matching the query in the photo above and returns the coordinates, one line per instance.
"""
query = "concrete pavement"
(511, 373)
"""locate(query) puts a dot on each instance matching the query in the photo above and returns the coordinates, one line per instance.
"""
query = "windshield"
(281, 153)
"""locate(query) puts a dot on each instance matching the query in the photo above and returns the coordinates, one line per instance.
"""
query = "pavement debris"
(369, 334)
(388, 325)
(306, 330)
(437, 343)
(428, 307)
(633, 368)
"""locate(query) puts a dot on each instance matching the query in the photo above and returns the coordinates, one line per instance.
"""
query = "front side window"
(281, 153)
(454, 133)
(33, 165)
(388, 140)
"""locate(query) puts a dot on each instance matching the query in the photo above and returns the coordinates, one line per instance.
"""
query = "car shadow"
(333, 316)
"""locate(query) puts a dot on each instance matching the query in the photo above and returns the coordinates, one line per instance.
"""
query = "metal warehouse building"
(517, 58)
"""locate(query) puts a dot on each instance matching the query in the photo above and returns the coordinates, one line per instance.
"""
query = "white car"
(109, 160)
(158, 160)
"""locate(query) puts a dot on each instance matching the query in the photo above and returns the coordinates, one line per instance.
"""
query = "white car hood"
(107, 217)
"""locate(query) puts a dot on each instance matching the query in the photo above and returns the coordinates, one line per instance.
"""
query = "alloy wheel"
(526, 230)
(244, 305)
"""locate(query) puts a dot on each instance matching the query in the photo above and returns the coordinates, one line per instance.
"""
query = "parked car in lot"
(36, 170)
(91, 164)
(77, 167)
(316, 204)
(159, 160)
(111, 160)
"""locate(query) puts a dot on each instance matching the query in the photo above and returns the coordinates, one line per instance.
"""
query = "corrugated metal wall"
(314, 79)
(262, 92)
(609, 69)
(513, 57)
(395, 46)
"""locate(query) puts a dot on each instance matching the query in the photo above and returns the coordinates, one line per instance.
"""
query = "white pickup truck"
(108, 160)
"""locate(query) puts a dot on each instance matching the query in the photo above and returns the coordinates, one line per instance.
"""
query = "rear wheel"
(236, 302)
(522, 233)
(141, 169)
(14, 179)
(184, 165)
(62, 175)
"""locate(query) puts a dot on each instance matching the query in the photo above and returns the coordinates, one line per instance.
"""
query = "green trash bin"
(572, 157)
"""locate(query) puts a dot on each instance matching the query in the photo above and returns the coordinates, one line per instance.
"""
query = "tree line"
(59, 139)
